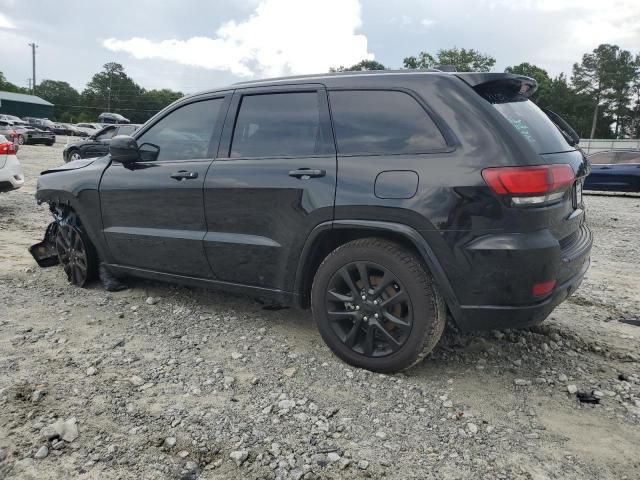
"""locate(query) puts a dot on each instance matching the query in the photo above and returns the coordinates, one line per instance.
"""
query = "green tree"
(7, 86)
(541, 77)
(65, 98)
(462, 59)
(606, 74)
(112, 90)
(360, 66)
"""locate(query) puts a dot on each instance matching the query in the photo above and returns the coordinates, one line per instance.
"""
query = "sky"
(191, 45)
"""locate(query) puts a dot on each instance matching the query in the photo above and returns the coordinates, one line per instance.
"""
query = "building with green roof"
(22, 105)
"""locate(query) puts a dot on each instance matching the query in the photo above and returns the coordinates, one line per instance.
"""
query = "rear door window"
(280, 124)
(382, 122)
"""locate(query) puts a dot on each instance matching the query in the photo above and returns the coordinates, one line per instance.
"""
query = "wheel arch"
(329, 235)
(91, 224)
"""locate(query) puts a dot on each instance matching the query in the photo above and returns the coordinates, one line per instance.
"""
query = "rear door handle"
(306, 173)
(184, 175)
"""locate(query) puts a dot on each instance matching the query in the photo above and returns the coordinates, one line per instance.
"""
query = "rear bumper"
(574, 261)
(11, 176)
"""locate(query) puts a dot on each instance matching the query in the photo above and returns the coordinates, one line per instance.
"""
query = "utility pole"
(33, 64)
(29, 82)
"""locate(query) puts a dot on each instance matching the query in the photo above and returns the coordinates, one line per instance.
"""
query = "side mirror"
(124, 149)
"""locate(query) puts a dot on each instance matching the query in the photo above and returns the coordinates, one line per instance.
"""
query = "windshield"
(534, 125)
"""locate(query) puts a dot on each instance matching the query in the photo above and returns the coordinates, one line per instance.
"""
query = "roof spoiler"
(505, 85)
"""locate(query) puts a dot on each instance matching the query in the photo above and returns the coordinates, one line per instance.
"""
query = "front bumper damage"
(45, 252)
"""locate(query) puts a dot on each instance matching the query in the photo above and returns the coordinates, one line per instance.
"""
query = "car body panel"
(11, 175)
(615, 170)
(261, 247)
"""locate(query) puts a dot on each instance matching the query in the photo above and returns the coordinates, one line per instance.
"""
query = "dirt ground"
(161, 381)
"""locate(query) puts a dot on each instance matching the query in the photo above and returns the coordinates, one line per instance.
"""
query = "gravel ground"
(169, 382)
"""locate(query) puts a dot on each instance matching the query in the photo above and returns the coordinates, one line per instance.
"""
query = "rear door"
(152, 210)
(274, 180)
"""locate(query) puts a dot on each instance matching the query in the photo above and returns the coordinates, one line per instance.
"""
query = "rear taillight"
(530, 185)
(7, 148)
(542, 289)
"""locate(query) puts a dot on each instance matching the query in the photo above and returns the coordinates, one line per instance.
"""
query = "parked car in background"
(41, 123)
(8, 131)
(89, 128)
(112, 118)
(96, 145)
(75, 131)
(12, 119)
(614, 170)
(30, 135)
(11, 176)
(387, 202)
(61, 129)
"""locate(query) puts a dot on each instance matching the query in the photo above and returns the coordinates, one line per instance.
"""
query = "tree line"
(601, 98)
(110, 90)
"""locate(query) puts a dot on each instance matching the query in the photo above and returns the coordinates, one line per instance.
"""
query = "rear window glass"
(534, 125)
(379, 122)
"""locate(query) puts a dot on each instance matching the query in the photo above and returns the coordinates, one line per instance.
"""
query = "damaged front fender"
(45, 252)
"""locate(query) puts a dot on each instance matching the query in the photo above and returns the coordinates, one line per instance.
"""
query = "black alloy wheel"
(369, 309)
(73, 254)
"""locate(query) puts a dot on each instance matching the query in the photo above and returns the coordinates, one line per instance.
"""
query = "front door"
(99, 146)
(274, 180)
(152, 210)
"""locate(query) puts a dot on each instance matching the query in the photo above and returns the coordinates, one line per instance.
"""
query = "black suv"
(96, 145)
(387, 202)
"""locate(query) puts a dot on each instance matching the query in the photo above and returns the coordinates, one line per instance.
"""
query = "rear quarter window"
(382, 122)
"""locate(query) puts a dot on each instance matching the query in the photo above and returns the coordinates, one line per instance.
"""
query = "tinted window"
(281, 124)
(126, 129)
(186, 133)
(106, 134)
(367, 121)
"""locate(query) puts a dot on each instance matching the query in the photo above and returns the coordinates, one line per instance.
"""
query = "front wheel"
(73, 155)
(376, 306)
(75, 251)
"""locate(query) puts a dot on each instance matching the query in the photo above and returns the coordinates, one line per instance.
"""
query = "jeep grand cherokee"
(386, 202)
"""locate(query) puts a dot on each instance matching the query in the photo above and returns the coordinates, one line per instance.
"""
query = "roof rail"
(337, 74)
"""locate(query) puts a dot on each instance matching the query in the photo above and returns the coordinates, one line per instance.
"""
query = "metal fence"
(598, 145)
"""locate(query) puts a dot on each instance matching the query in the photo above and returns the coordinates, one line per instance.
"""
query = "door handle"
(306, 173)
(184, 175)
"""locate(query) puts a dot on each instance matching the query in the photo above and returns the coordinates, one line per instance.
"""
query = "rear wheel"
(75, 251)
(49, 144)
(376, 306)
(20, 139)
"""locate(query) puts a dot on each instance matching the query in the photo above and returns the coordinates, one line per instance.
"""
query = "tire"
(21, 140)
(342, 324)
(48, 144)
(76, 253)
(73, 155)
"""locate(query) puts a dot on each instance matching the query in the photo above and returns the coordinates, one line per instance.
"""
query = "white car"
(11, 176)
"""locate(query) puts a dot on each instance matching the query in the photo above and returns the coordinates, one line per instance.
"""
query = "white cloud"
(427, 22)
(5, 22)
(281, 37)
(589, 22)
